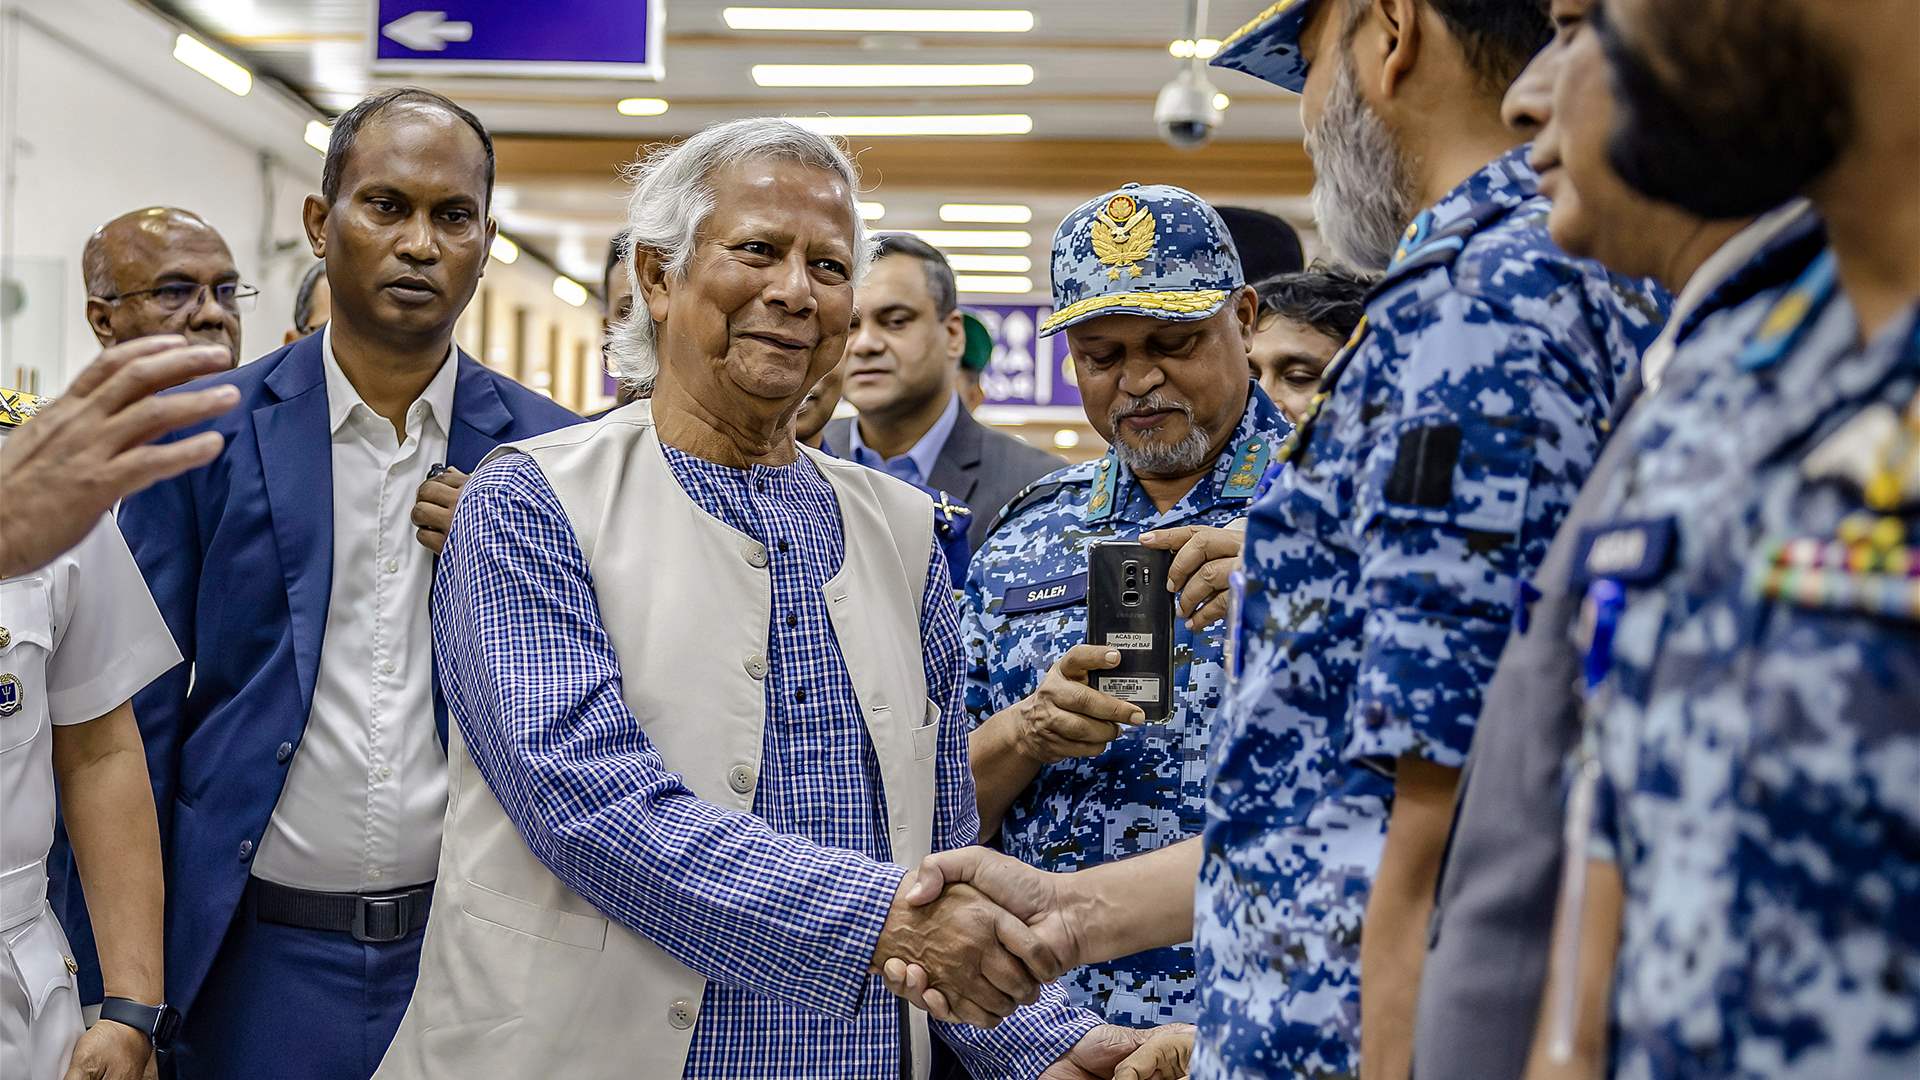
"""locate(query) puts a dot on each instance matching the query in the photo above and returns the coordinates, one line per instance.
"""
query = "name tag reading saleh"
(1043, 595)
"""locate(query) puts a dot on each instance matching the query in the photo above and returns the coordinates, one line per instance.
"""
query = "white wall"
(97, 118)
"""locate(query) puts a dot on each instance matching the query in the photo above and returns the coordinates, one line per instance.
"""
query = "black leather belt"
(370, 917)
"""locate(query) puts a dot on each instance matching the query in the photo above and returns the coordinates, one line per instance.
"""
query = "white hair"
(673, 194)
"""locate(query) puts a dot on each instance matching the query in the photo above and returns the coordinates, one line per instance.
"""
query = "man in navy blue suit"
(300, 772)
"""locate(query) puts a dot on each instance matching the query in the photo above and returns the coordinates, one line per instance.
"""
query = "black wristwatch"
(157, 1022)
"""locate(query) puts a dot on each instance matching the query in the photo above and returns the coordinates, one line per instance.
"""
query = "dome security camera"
(1185, 113)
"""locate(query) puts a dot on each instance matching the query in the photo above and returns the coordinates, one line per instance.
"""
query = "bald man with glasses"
(162, 270)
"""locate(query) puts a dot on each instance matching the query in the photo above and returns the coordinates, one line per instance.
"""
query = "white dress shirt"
(367, 789)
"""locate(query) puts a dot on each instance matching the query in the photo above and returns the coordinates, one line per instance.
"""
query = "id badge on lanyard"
(1606, 598)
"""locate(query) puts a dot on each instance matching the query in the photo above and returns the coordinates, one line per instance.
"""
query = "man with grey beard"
(1451, 436)
(1148, 289)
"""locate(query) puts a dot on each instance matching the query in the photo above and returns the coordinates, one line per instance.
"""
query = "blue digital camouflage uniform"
(1377, 590)
(1025, 606)
(1758, 733)
(1159, 252)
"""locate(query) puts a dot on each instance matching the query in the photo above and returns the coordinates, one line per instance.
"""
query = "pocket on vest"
(926, 737)
(560, 927)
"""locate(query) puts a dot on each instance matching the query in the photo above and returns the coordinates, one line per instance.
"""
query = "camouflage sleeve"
(1458, 500)
(974, 640)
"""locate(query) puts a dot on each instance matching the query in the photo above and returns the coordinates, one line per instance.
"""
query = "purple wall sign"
(1026, 369)
(615, 39)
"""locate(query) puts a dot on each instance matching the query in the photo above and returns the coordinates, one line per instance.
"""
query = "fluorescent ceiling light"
(990, 264)
(975, 238)
(985, 124)
(194, 53)
(569, 290)
(980, 283)
(893, 74)
(880, 20)
(318, 134)
(872, 211)
(1188, 49)
(1221, 101)
(506, 251)
(1066, 439)
(986, 213)
(641, 106)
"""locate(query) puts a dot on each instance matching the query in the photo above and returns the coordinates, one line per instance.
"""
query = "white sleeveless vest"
(519, 975)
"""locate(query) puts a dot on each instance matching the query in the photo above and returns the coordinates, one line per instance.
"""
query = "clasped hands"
(974, 934)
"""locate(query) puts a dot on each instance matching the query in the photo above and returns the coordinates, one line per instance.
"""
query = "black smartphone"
(1130, 609)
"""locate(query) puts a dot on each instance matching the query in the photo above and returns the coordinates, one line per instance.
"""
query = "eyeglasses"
(176, 296)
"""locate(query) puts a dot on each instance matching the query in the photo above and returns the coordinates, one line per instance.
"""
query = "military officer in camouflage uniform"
(1381, 566)
(1748, 791)
(1148, 288)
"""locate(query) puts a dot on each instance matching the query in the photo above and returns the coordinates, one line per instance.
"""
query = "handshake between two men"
(974, 934)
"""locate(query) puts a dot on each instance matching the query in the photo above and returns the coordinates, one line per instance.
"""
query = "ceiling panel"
(1098, 64)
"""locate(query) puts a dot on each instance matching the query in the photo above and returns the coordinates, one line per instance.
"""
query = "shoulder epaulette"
(1424, 250)
(18, 406)
(1042, 488)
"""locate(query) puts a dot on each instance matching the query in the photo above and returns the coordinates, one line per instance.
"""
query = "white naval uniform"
(81, 636)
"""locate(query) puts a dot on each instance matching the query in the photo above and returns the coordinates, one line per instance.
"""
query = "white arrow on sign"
(427, 31)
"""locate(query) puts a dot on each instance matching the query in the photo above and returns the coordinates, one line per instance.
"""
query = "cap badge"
(1124, 233)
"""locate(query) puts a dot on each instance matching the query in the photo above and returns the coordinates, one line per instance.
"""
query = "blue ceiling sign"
(595, 39)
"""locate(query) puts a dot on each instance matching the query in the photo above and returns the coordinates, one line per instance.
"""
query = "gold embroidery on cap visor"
(1258, 21)
(1198, 303)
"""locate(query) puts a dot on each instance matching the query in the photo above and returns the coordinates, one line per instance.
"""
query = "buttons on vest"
(681, 1014)
(755, 553)
(757, 666)
(246, 850)
(740, 778)
(286, 751)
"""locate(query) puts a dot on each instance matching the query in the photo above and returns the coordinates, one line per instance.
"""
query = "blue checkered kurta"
(781, 908)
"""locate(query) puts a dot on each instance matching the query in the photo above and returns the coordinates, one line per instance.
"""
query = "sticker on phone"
(1127, 688)
(1130, 641)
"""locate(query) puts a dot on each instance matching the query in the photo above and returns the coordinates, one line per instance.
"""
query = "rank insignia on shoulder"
(1786, 323)
(1105, 481)
(18, 406)
(1249, 465)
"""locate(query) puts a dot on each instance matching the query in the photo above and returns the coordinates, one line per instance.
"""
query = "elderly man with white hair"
(707, 693)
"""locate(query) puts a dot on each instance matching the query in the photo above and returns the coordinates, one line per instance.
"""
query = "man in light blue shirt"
(919, 461)
(901, 371)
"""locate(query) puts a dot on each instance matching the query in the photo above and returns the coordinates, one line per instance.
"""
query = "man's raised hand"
(1065, 717)
(93, 447)
(1203, 564)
